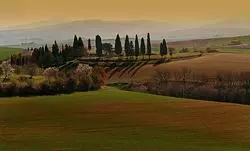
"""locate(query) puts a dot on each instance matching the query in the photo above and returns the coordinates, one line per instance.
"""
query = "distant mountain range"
(63, 32)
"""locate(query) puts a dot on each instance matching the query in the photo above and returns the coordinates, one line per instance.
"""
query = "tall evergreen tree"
(127, 46)
(149, 49)
(62, 49)
(42, 51)
(35, 55)
(89, 45)
(118, 45)
(46, 49)
(137, 48)
(75, 42)
(143, 47)
(131, 50)
(65, 52)
(47, 58)
(80, 44)
(98, 43)
(164, 47)
(161, 50)
(55, 50)
(79, 52)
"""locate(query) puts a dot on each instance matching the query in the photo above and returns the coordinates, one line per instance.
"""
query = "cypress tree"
(35, 55)
(143, 47)
(137, 49)
(149, 49)
(42, 51)
(118, 45)
(89, 45)
(46, 49)
(65, 52)
(98, 43)
(164, 47)
(127, 46)
(75, 42)
(161, 50)
(47, 58)
(80, 44)
(55, 50)
(131, 49)
(80, 48)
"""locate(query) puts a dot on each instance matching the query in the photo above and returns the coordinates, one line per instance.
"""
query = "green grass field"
(6, 52)
(220, 44)
(111, 119)
(224, 41)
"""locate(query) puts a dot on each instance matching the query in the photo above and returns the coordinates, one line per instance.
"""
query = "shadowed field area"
(111, 119)
(210, 65)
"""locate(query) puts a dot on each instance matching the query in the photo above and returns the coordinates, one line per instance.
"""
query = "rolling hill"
(208, 65)
(111, 119)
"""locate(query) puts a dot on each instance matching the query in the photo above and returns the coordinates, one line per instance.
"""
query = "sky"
(16, 12)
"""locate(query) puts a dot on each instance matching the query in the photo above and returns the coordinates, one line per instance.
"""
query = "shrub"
(17, 69)
(99, 76)
(234, 42)
(83, 78)
(210, 50)
(70, 85)
(51, 73)
(85, 83)
(184, 50)
(83, 69)
(22, 78)
(82, 75)
(31, 70)
(6, 69)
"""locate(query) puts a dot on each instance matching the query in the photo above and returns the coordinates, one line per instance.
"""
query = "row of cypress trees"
(131, 50)
(44, 57)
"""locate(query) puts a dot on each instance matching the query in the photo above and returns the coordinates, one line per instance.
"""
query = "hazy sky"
(25, 11)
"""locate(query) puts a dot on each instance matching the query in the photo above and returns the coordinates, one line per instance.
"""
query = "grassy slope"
(5, 52)
(111, 119)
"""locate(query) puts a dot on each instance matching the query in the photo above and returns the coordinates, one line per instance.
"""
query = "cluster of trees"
(80, 78)
(132, 49)
(226, 87)
(44, 57)
(19, 60)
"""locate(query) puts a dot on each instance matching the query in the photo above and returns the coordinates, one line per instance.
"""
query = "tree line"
(44, 57)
